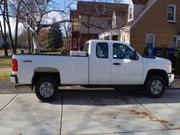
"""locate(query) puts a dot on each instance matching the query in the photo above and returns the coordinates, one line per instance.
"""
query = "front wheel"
(46, 89)
(155, 86)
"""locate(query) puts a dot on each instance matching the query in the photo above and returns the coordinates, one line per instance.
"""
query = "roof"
(142, 2)
(101, 8)
(147, 7)
(108, 41)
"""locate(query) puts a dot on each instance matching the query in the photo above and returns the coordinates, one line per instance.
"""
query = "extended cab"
(100, 63)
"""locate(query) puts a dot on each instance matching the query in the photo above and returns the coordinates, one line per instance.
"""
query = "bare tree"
(3, 31)
(32, 18)
(15, 11)
(9, 10)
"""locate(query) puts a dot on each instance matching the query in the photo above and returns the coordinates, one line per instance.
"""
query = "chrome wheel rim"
(46, 89)
(156, 87)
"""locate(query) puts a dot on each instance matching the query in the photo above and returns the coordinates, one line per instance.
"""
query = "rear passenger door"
(100, 64)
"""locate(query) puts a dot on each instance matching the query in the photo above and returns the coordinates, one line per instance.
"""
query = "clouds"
(13, 24)
(52, 17)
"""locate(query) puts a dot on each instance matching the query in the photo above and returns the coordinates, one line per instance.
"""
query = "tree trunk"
(36, 43)
(29, 41)
(9, 26)
(5, 49)
(4, 35)
(17, 24)
(16, 33)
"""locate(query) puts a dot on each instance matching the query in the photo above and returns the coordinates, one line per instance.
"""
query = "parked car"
(100, 63)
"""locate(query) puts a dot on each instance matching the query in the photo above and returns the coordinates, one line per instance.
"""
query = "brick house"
(153, 24)
(92, 18)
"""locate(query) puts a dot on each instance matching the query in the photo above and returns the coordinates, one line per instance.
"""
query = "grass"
(5, 62)
(5, 75)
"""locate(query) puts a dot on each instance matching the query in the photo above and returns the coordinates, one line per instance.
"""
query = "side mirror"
(135, 56)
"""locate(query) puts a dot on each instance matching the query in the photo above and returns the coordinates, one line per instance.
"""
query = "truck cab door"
(100, 64)
(125, 69)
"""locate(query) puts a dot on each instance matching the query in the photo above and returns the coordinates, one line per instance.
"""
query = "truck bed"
(72, 69)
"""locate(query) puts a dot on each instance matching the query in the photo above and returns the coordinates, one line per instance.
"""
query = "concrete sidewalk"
(90, 112)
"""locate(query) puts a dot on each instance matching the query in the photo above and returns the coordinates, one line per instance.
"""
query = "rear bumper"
(170, 79)
(14, 79)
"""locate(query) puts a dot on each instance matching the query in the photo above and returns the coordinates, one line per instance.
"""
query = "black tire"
(155, 86)
(46, 89)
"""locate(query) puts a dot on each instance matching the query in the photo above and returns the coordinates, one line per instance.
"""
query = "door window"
(121, 51)
(102, 50)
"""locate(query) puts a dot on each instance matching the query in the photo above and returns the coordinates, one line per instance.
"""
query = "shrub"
(55, 38)
(146, 53)
(164, 53)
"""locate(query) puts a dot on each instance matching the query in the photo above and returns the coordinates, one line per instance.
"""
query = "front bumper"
(14, 79)
(170, 79)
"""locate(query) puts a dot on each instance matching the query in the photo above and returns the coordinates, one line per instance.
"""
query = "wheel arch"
(157, 72)
(44, 72)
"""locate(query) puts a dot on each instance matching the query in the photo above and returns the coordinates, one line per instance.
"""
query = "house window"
(171, 13)
(114, 37)
(150, 40)
(176, 42)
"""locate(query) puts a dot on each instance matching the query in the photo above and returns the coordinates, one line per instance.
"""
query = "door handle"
(27, 61)
(117, 64)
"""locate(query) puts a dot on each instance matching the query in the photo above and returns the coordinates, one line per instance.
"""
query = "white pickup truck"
(100, 63)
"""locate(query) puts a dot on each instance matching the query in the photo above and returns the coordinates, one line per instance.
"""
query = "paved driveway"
(90, 112)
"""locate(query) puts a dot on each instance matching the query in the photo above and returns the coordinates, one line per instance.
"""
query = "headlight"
(170, 68)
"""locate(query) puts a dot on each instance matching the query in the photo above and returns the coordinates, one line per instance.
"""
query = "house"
(151, 23)
(92, 18)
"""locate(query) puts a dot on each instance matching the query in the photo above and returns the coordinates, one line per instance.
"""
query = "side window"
(121, 51)
(102, 50)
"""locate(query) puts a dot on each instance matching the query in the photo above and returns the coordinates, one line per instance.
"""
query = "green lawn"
(5, 62)
(5, 75)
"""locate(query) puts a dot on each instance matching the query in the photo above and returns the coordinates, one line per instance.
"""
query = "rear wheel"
(46, 89)
(155, 86)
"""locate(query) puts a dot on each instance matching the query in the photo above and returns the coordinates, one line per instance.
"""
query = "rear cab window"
(102, 50)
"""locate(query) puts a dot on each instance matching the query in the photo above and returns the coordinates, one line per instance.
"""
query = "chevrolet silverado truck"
(100, 63)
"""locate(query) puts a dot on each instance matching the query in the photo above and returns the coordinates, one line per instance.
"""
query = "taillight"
(14, 65)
